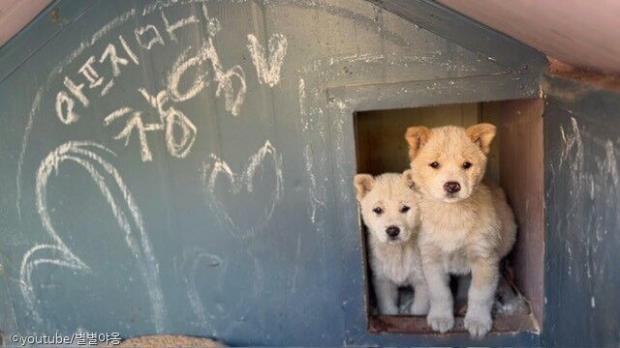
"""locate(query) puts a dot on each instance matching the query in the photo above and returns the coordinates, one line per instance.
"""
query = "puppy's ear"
(363, 183)
(408, 178)
(416, 138)
(482, 134)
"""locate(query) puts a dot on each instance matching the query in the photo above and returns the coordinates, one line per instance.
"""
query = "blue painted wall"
(583, 219)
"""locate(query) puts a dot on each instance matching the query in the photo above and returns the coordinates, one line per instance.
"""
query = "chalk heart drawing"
(88, 155)
(245, 201)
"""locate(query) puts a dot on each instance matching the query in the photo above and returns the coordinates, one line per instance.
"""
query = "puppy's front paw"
(441, 322)
(478, 324)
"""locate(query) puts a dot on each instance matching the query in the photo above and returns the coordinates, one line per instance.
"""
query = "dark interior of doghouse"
(515, 162)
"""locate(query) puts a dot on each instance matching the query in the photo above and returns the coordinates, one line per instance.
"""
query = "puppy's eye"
(378, 211)
(404, 209)
(466, 165)
(434, 165)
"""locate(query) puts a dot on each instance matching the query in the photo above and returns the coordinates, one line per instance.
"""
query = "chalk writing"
(65, 99)
(230, 83)
(268, 69)
(172, 27)
(180, 131)
(148, 36)
(213, 24)
(225, 79)
(180, 66)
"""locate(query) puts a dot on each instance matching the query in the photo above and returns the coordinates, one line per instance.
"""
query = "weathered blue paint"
(268, 256)
(582, 275)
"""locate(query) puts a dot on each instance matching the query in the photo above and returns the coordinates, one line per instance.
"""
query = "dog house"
(515, 162)
(185, 167)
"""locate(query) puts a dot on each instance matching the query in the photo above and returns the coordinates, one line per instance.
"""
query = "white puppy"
(389, 209)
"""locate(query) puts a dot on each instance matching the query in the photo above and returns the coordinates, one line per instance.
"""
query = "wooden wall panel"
(522, 177)
(381, 144)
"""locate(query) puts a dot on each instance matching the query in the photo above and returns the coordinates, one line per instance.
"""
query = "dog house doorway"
(515, 162)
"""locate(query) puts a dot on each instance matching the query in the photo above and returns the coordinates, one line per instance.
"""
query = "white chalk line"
(311, 123)
(189, 278)
(81, 152)
(215, 166)
(38, 95)
(95, 38)
(268, 68)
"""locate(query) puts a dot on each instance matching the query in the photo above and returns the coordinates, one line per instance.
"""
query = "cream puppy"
(389, 210)
(466, 225)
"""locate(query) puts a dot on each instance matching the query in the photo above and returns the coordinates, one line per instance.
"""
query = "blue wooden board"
(582, 271)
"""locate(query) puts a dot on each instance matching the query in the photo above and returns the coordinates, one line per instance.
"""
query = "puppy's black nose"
(392, 231)
(452, 187)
